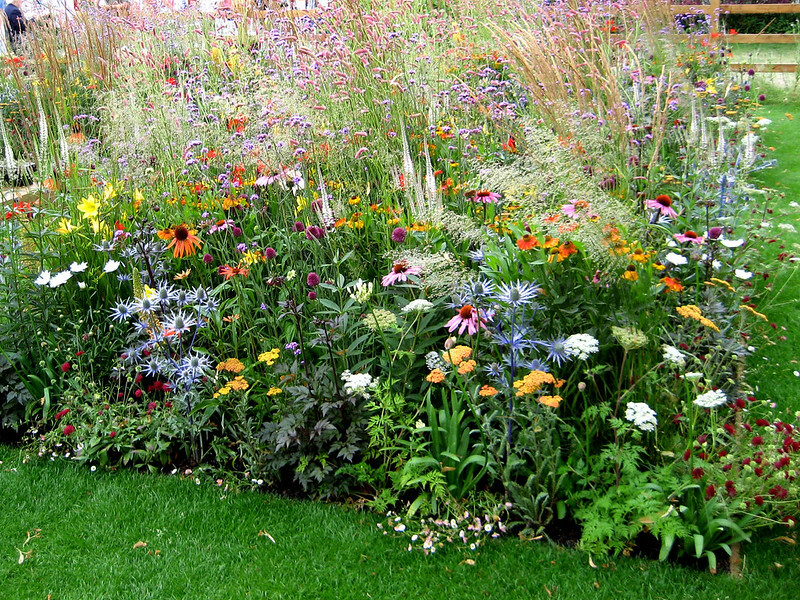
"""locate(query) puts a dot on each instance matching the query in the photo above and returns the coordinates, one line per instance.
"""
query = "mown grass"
(775, 367)
(204, 543)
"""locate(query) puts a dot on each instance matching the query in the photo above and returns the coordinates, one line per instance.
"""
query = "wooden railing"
(715, 10)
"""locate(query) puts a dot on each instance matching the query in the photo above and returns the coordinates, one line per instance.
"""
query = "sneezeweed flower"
(184, 240)
(399, 273)
(711, 399)
(527, 242)
(672, 284)
(399, 235)
(228, 271)
(662, 204)
(689, 236)
(641, 415)
(630, 273)
(467, 318)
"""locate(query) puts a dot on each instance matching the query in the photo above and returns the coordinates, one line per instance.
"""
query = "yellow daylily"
(65, 226)
(89, 207)
(109, 192)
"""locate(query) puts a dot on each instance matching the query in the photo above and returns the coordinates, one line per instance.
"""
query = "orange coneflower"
(184, 240)
(527, 241)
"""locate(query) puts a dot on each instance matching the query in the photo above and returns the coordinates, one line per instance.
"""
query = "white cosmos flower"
(742, 274)
(732, 243)
(78, 267)
(60, 278)
(111, 266)
(676, 259)
(43, 278)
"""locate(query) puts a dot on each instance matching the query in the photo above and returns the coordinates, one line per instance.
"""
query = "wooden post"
(715, 14)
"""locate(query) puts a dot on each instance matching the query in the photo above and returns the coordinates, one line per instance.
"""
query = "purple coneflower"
(484, 196)
(662, 204)
(689, 236)
(467, 318)
(399, 273)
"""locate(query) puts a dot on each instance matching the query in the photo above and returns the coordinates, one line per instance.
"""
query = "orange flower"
(487, 390)
(435, 376)
(466, 366)
(630, 273)
(527, 241)
(229, 271)
(182, 238)
(550, 242)
(551, 401)
(672, 284)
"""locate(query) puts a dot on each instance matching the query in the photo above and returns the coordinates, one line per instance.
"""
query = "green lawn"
(774, 365)
(204, 543)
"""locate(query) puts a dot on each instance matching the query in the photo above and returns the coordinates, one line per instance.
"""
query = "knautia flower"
(358, 384)
(641, 415)
(673, 356)
(420, 305)
(362, 291)
(380, 320)
(629, 338)
(711, 399)
(581, 345)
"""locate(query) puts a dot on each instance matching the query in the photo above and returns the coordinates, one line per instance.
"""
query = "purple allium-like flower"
(399, 235)
(236, 231)
(207, 258)
(761, 97)
(312, 295)
(313, 279)
(714, 233)
(270, 253)
(298, 226)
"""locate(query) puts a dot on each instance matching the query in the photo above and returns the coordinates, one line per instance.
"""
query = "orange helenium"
(184, 240)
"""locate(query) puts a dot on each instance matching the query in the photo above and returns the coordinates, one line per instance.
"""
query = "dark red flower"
(69, 430)
(65, 367)
(112, 434)
(697, 473)
(762, 422)
(62, 413)
(758, 441)
(759, 500)
(710, 492)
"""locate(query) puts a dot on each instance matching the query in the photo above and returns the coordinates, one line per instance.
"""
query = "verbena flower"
(641, 415)
(711, 399)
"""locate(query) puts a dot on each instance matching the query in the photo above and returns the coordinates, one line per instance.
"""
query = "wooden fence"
(715, 10)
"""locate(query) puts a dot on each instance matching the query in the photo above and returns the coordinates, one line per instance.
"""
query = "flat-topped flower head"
(399, 273)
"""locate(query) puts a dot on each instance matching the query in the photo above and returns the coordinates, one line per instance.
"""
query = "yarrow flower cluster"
(711, 399)
(358, 384)
(673, 356)
(641, 415)
(581, 345)
(420, 305)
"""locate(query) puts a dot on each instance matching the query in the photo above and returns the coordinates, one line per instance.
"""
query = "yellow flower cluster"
(754, 312)
(239, 383)
(690, 311)
(456, 355)
(274, 391)
(551, 401)
(232, 365)
(714, 282)
(270, 356)
(435, 376)
(487, 390)
(534, 380)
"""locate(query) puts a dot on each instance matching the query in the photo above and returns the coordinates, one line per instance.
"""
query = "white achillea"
(581, 345)
(711, 399)
(358, 384)
(419, 305)
(673, 356)
(641, 415)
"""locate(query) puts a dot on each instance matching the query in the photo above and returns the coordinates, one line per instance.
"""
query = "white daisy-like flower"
(711, 399)
(78, 267)
(82, 285)
(742, 274)
(43, 278)
(111, 266)
(60, 278)
(676, 259)
(641, 415)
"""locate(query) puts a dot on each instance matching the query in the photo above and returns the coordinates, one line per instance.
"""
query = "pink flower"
(312, 280)
(62, 413)
(484, 196)
(399, 273)
(662, 204)
(466, 318)
(689, 236)
(575, 207)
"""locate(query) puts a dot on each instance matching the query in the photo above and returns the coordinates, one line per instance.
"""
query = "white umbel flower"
(711, 399)
(420, 305)
(673, 356)
(358, 384)
(581, 345)
(642, 416)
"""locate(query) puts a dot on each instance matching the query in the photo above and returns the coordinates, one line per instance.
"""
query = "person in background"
(16, 23)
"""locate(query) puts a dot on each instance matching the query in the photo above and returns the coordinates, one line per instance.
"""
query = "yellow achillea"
(274, 391)
(534, 380)
(721, 282)
(239, 383)
(551, 401)
(233, 365)
(269, 357)
(487, 390)
(466, 366)
(435, 376)
(690, 311)
(753, 311)
(456, 355)
(223, 391)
